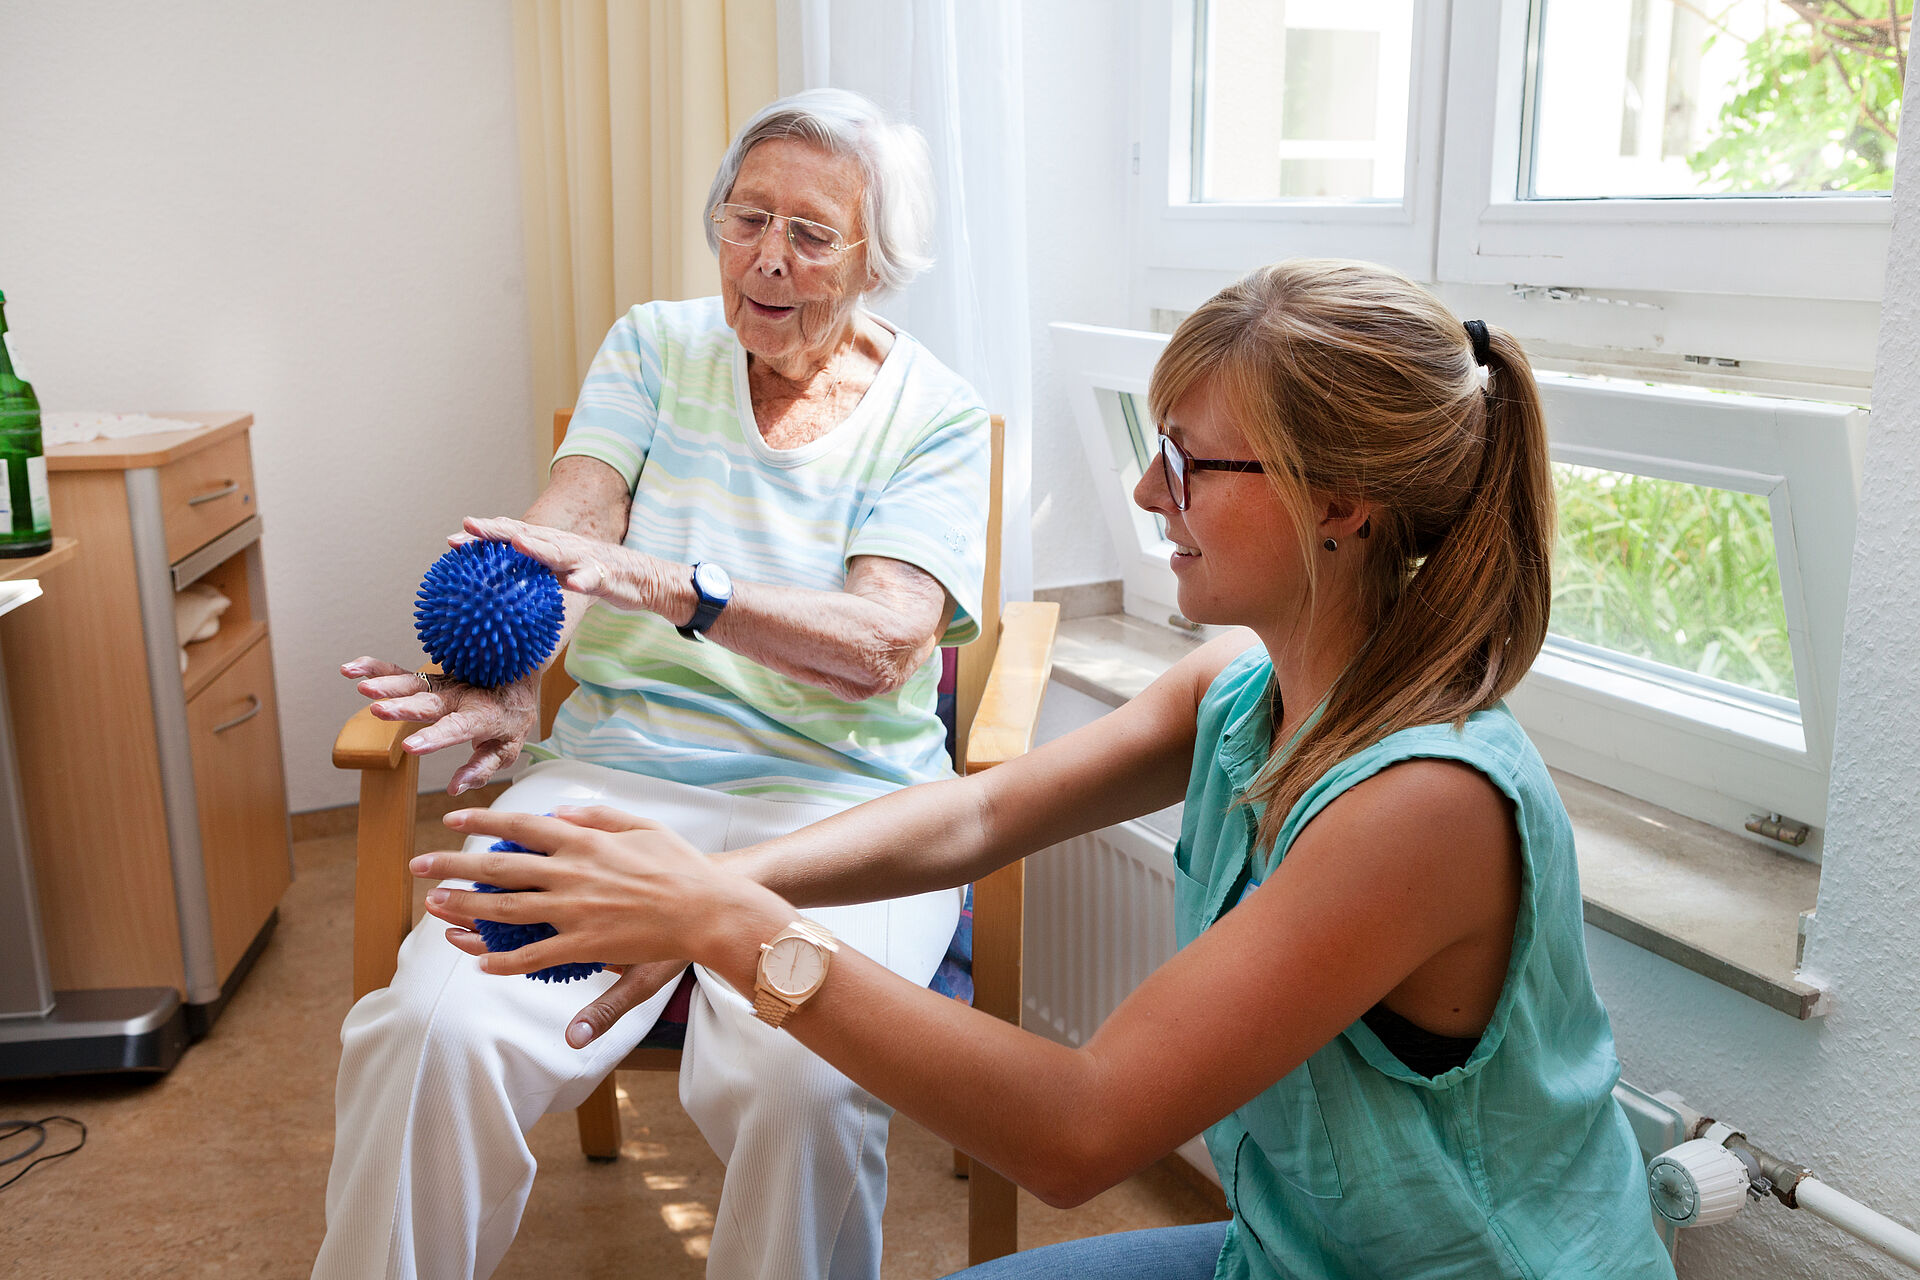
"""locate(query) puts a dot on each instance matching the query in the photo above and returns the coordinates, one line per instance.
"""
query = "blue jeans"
(1164, 1253)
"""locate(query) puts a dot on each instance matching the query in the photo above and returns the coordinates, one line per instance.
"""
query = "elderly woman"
(772, 501)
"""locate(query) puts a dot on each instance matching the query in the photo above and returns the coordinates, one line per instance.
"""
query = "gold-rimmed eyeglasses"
(744, 225)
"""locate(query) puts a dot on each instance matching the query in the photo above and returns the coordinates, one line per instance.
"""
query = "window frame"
(1102, 364)
(1826, 247)
(1775, 295)
(1695, 753)
(1691, 751)
(1182, 239)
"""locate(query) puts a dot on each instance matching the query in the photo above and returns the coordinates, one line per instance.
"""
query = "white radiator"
(1099, 919)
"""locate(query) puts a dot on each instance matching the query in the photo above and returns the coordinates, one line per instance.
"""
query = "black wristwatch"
(715, 589)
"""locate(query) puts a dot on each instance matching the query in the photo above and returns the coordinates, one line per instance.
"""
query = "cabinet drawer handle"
(232, 486)
(253, 709)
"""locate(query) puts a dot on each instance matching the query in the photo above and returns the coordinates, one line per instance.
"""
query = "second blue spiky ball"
(488, 614)
(500, 936)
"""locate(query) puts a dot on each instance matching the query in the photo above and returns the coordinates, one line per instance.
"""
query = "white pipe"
(1854, 1218)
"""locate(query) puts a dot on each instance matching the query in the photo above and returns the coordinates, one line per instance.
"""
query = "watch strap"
(705, 610)
(770, 1008)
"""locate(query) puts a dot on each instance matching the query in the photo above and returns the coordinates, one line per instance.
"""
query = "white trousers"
(444, 1071)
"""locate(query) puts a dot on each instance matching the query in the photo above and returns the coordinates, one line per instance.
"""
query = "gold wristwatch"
(792, 967)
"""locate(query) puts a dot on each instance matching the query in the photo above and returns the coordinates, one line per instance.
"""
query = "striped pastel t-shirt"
(904, 476)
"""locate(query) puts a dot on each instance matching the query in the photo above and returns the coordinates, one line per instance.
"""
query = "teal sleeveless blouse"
(1516, 1164)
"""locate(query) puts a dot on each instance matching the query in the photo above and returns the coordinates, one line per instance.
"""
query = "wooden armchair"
(1001, 679)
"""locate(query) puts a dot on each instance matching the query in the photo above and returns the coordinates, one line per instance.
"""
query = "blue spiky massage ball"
(512, 937)
(488, 614)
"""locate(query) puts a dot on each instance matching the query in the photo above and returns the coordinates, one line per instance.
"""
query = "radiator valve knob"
(1697, 1183)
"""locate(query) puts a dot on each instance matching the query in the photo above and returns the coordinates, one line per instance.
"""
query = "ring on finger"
(434, 680)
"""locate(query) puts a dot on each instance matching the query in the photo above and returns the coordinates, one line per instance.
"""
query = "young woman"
(1381, 1013)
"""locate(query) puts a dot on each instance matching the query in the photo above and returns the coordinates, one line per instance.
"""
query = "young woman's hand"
(621, 890)
(635, 986)
(498, 722)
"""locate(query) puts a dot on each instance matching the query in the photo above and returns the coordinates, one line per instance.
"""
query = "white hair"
(897, 204)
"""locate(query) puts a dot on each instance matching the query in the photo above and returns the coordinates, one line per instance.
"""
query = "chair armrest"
(1010, 704)
(382, 889)
(367, 743)
(1002, 729)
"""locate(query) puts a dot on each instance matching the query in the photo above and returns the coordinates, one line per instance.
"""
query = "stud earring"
(1331, 545)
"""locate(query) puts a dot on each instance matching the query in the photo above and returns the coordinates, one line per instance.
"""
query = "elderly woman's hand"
(621, 890)
(604, 570)
(498, 722)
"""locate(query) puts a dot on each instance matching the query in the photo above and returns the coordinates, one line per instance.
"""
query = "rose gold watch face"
(793, 966)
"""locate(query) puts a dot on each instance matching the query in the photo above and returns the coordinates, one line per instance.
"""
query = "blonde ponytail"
(1349, 379)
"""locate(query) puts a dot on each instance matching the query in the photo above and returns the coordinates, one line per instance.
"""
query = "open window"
(1106, 376)
(1680, 208)
(1699, 583)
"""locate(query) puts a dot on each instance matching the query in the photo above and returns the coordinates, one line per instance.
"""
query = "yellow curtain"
(625, 109)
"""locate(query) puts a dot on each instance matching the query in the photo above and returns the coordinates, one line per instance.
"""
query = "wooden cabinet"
(156, 798)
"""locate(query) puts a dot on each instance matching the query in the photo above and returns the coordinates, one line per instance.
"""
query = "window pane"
(1301, 99)
(1716, 97)
(1143, 441)
(1133, 412)
(1678, 575)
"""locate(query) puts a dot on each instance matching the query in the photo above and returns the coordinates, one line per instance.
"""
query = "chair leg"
(599, 1119)
(993, 1216)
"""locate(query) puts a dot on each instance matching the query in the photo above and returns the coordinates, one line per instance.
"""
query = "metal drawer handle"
(232, 486)
(253, 709)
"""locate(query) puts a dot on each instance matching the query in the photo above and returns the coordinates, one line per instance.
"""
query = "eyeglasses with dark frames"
(744, 225)
(1176, 462)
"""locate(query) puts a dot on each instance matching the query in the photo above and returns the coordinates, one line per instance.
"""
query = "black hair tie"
(1482, 344)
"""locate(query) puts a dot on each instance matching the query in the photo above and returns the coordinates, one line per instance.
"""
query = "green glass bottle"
(26, 521)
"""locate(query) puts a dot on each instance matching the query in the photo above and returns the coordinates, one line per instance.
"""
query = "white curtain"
(952, 68)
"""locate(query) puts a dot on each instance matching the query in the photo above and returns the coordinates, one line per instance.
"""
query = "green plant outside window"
(1716, 97)
(1678, 574)
(1818, 105)
(1133, 411)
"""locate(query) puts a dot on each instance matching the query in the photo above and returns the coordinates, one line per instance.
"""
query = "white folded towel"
(196, 615)
(78, 428)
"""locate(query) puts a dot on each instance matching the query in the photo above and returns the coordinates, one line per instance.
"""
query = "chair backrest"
(555, 683)
(975, 660)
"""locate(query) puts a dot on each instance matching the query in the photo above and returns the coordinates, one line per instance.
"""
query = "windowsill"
(1724, 907)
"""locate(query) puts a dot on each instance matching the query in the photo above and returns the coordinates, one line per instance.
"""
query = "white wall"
(313, 214)
(1837, 1094)
(306, 211)
(1079, 59)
